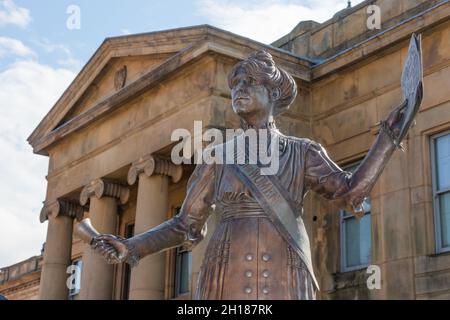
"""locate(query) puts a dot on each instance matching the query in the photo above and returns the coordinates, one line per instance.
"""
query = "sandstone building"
(21, 280)
(108, 140)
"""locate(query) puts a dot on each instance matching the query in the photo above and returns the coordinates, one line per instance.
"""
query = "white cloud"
(13, 47)
(267, 20)
(125, 31)
(28, 91)
(10, 13)
(69, 61)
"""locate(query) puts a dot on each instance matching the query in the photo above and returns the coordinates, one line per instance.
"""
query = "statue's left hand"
(396, 118)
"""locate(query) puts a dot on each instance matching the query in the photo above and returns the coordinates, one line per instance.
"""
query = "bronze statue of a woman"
(260, 248)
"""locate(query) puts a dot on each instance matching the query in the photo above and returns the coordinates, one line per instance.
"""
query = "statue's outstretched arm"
(185, 229)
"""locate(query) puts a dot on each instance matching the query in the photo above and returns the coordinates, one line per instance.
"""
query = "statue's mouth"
(241, 99)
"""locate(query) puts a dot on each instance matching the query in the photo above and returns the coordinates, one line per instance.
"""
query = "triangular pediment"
(124, 66)
(115, 75)
(99, 77)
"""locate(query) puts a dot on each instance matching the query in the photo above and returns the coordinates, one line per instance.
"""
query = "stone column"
(97, 277)
(147, 279)
(58, 248)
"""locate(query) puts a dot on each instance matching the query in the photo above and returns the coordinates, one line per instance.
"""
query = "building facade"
(108, 139)
(21, 280)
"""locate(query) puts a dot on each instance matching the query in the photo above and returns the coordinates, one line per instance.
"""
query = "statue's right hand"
(111, 248)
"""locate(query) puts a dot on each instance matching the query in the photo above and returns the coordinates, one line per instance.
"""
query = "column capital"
(62, 207)
(103, 188)
(150, 165)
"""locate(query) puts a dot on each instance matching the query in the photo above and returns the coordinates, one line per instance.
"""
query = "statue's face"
(248, 97)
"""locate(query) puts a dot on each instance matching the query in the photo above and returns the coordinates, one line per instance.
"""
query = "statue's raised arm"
(349, 190)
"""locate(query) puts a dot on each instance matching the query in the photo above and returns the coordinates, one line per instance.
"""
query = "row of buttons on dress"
(265, 257)
(249, 273)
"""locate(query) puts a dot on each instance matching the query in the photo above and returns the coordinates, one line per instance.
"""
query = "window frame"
(73, 293)
(177, 266)
(342, 228)
(126, 269)
(436, 194)
(178, 255)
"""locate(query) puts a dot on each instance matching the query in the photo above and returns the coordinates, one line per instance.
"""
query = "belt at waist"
(239, 210)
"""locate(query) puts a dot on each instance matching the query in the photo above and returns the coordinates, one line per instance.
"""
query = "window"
(183, 269)
(129, 232)
(440, 152)
(356, 241)
(74, 281)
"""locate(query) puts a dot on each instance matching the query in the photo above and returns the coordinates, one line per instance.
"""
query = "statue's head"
(260, 88)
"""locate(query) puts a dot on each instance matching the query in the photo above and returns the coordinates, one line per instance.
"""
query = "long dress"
(246, 257)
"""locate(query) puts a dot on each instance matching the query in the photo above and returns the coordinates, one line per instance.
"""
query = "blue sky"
(99, 19)
(40, 56)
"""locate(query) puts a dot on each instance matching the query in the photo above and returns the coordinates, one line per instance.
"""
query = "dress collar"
(270, 125)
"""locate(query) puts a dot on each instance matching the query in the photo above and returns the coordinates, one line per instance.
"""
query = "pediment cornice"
(181, 46)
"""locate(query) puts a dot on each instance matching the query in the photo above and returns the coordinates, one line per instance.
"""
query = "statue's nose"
(240, 88)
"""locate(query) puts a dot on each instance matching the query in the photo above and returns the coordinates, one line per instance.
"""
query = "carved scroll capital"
(62, 207)
(102, 188)
(150, 165)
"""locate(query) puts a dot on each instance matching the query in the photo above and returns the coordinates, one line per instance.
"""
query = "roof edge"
(68, 97)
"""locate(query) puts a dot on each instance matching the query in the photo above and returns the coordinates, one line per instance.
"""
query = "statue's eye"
(252, 81)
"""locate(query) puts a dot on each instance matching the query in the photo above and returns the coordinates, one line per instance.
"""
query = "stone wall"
(347, 105)
(21, 281)
(348, 28)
